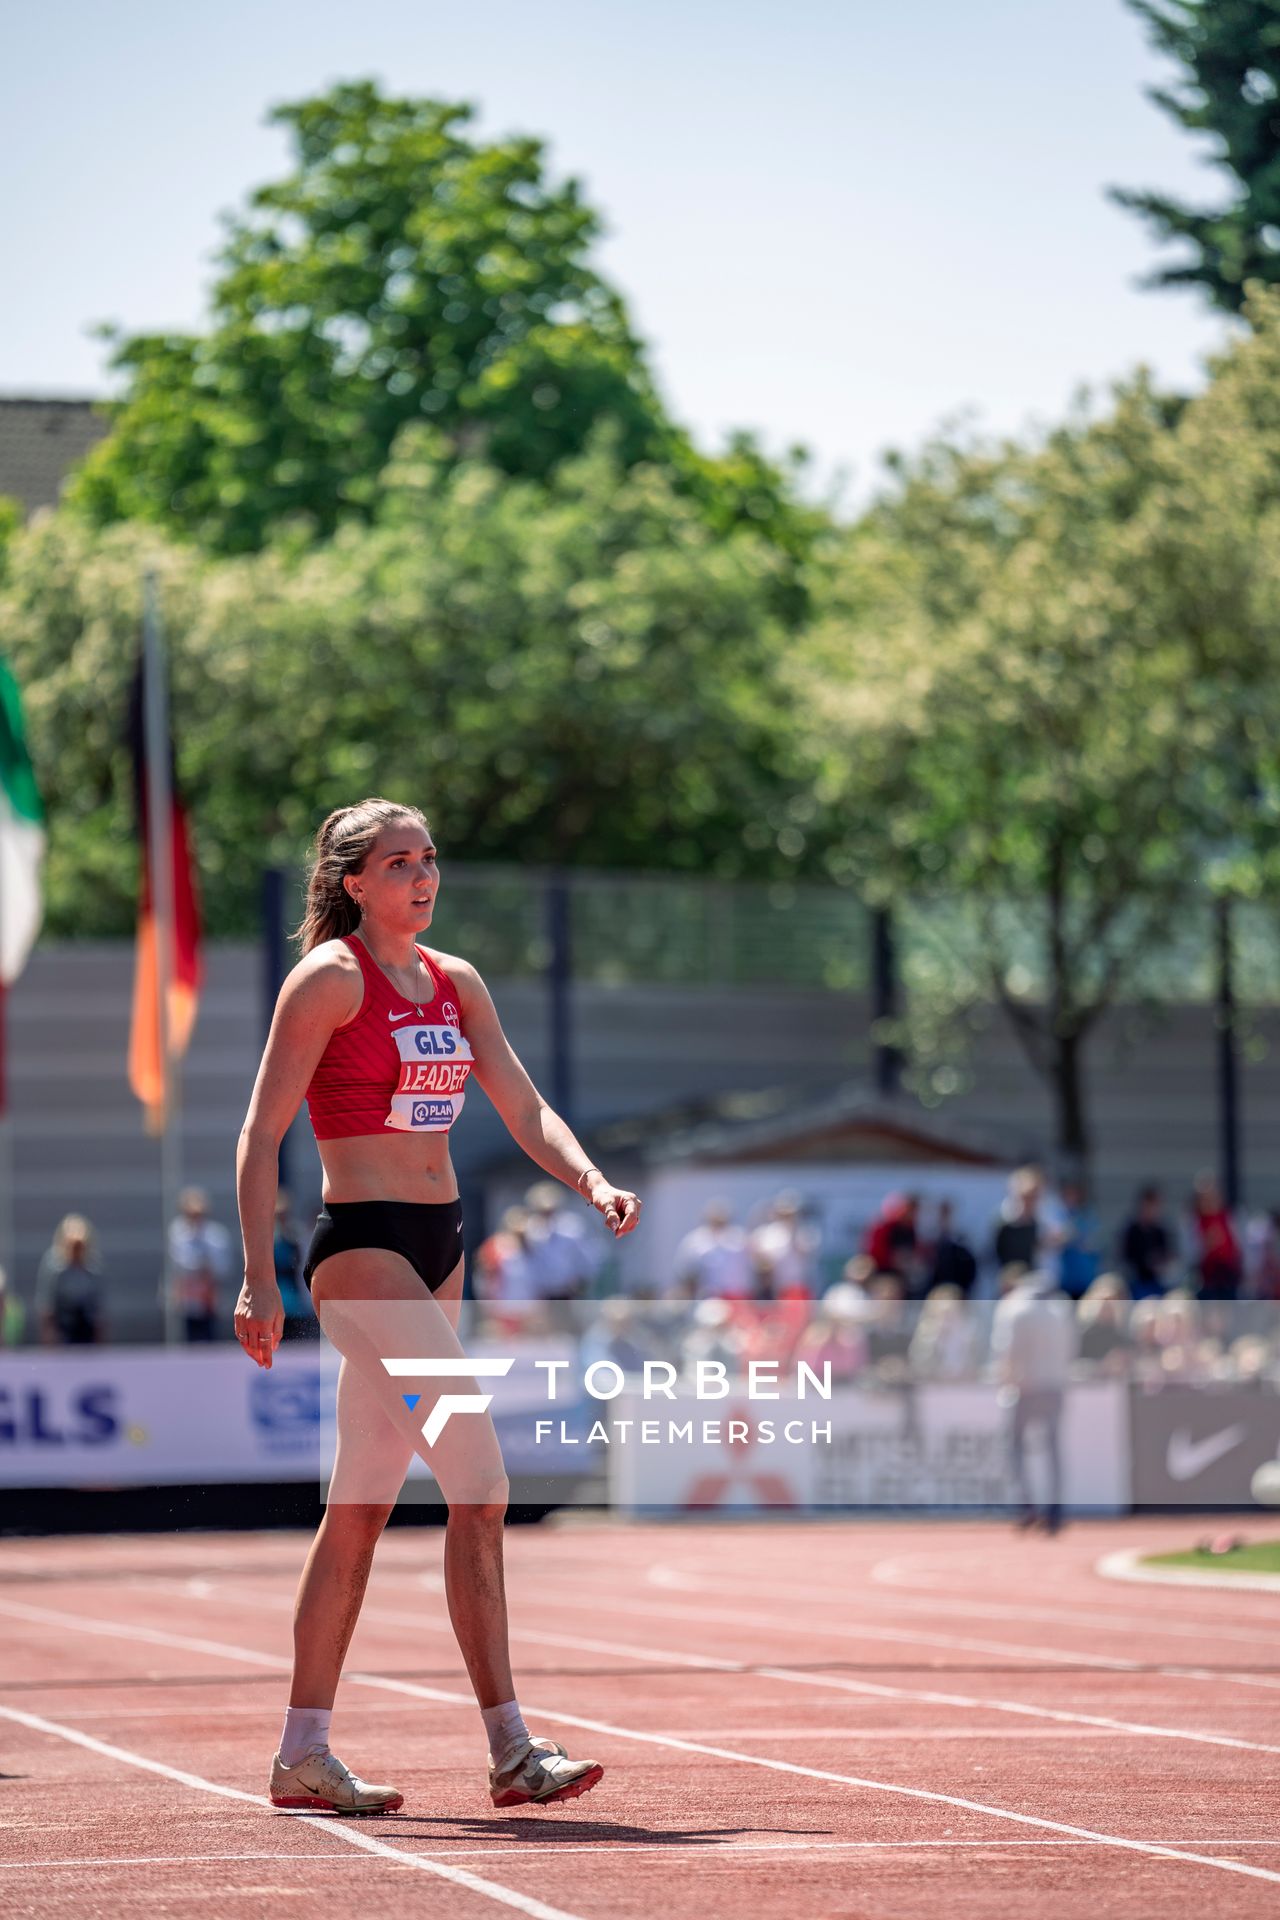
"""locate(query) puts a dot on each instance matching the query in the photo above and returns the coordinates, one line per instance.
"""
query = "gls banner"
(122, 1417)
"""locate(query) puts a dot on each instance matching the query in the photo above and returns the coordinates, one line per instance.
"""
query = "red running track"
(840, 1721)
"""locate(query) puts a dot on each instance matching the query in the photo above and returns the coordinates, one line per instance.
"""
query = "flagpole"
(160, 860)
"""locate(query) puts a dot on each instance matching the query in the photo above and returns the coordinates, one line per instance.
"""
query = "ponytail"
(342, 847)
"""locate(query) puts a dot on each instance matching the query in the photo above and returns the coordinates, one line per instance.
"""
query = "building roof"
(40, 442)
(848, 1124)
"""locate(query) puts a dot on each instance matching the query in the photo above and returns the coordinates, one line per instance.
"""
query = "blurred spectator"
(1146, 1246)
(944, 1345)
(1018, 1230)
(834, 1336)
(951, 1262)
(711, 1336)
(1033, 1341)
(1248, 1361)
(619, 1333)
(69, 1294)
(199, 1262)
(564, 1262)
(888, 1328)
(300, 1322)
(1216, 1253)
(1103, 1319)
(1169, 1341)
(13, 1315)
(1262, 1256)
(892, 1238)
(504, 1263)
(711, 1261)
(859, 1273)
(1079, 1250)
(783, 1252)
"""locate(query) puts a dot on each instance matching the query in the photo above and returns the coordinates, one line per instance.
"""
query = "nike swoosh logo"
(1187, 1457)
(399, 1016)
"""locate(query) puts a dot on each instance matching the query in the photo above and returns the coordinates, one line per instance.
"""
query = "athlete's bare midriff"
(366, 1167)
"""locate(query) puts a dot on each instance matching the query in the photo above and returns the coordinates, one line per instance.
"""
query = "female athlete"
(380, 1035)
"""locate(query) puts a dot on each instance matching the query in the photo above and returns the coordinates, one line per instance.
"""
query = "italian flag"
(21, 837)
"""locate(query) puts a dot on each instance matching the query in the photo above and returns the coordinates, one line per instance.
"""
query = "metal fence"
(633, 929)
(628, 929)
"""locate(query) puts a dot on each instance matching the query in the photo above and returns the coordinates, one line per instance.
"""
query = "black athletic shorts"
(427, 1233)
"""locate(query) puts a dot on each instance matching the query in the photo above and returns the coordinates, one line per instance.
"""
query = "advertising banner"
(933, 1446)
(104, 1417)
(1201, 1445)
(98, 1417)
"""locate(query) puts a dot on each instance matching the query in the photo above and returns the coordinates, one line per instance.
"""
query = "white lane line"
(776, 1623)
(675, 1744)
(1211, 1675)
(1150, 1848)
(1064, 1715)
(184, 1642)
(1061, 1717)
(970, 1702)
(459, 1876)
(1085, 1618)
(559, 1847)
(183, 1712)
(536, 1636)
(326, 1860)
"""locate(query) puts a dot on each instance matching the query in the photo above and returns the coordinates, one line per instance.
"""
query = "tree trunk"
(1065, 1032)
(1071, 1123)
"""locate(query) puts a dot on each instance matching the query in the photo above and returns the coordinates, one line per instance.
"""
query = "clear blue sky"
(837, 221)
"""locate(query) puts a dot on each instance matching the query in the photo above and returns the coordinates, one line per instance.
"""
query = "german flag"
(147, 1074)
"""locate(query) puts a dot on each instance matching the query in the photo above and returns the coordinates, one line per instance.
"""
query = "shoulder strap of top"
(370, 974)
(438, 973)
(357, 947)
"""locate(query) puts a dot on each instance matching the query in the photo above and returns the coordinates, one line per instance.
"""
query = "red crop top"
(399, 1063)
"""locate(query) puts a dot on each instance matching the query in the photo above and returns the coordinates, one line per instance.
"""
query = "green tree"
(1048, 682)
(1229, 91)
(578, 670)
(402, 272)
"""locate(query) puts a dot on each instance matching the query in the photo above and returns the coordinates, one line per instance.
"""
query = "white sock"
(304, 1729)
(506, 1730)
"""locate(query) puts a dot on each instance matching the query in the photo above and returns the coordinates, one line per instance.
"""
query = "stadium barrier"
(757, 1436)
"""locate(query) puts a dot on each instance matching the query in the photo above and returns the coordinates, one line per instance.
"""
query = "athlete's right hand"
(259, 1319)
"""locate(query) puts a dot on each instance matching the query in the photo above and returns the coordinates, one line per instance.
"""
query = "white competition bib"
(434, 1064)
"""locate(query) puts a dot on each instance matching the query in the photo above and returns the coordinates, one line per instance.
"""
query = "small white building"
(839, 1153)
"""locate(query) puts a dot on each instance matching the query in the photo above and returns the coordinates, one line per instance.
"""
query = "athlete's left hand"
(621, 1209)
